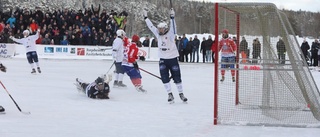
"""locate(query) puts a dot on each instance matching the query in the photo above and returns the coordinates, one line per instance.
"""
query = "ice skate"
(233, 79)
(115, 84)
(140, 89)
(170, 98)
(222, 79)
(33, 71)
(121, 85)
(183, 98)
(79, 81)
(78, 85)
(39, 70)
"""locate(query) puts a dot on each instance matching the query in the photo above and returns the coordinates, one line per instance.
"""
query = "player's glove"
(102, 96)
(145, 14)
(142, 58)
(3, 68)
(135, 65)
(172, 13)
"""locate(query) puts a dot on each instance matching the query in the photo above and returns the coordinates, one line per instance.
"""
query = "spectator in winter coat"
(11, 21)
(108, 41)
(179, 45)
(188, 50)
(304, 48)
(203, 49)
(208, 48)
(244, 50)
(34, 26)
(39, 40)
(184, 43)
(154, 42)
(64, 41)
(281, 49)
(256, 47)
(195, 49)
(146, 42)
(314, 52)
(213, 50)
(46, 40)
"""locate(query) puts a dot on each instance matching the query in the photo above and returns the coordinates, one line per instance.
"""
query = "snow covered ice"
(59, 110)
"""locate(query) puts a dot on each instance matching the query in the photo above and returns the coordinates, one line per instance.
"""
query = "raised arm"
(16, 40)
(152, 28)
(36, 36)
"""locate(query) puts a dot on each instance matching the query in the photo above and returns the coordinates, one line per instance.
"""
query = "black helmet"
(99, 80)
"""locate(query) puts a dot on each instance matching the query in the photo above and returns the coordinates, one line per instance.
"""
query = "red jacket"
(34, 27)
(213, 47)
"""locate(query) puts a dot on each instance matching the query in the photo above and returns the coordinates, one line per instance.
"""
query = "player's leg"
(233, 72)
(36, 60)
(135, 77)
(176, 75)
(164, 72)
(223, 65)
(30, 61)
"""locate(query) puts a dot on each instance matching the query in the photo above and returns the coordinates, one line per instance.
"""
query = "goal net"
(272, 83)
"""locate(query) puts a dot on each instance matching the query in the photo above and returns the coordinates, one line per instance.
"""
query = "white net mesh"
(273, 85)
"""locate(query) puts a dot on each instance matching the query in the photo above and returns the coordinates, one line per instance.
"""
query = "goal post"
(273, 85)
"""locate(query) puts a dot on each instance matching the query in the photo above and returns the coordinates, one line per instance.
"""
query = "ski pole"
(13, 99)
(150, 73)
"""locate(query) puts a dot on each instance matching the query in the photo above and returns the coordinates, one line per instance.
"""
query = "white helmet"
(26, 32)
(162, 25)
(120, 32)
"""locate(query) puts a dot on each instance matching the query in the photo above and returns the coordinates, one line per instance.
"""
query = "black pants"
(32, 56)
(314, 60)
(282, 58)
(119, 68)
(172, 66)
(181, 56)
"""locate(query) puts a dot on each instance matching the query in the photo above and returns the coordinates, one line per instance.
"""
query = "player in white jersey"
(168, 54)
(117, 54)
(29, 42)
(3, 69)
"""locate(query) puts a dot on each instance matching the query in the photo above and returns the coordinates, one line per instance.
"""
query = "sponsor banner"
(50, 50)
(79, 52)
(7, 50)
(97, 51)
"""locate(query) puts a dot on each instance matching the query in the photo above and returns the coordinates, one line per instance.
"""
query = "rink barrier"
(71, 52)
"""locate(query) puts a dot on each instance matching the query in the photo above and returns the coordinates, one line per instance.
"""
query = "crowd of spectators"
(92, 26)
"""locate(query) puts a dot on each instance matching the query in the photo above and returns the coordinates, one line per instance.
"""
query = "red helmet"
(225, 31)
(135, 38)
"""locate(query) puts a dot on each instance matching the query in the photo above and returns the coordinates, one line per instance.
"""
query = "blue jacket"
(185, 43)
(11, 21)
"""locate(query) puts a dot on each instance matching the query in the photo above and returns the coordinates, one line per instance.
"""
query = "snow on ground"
(58, 110)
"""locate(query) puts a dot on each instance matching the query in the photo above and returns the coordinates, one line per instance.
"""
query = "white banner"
(7, 50)
(81, 52)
